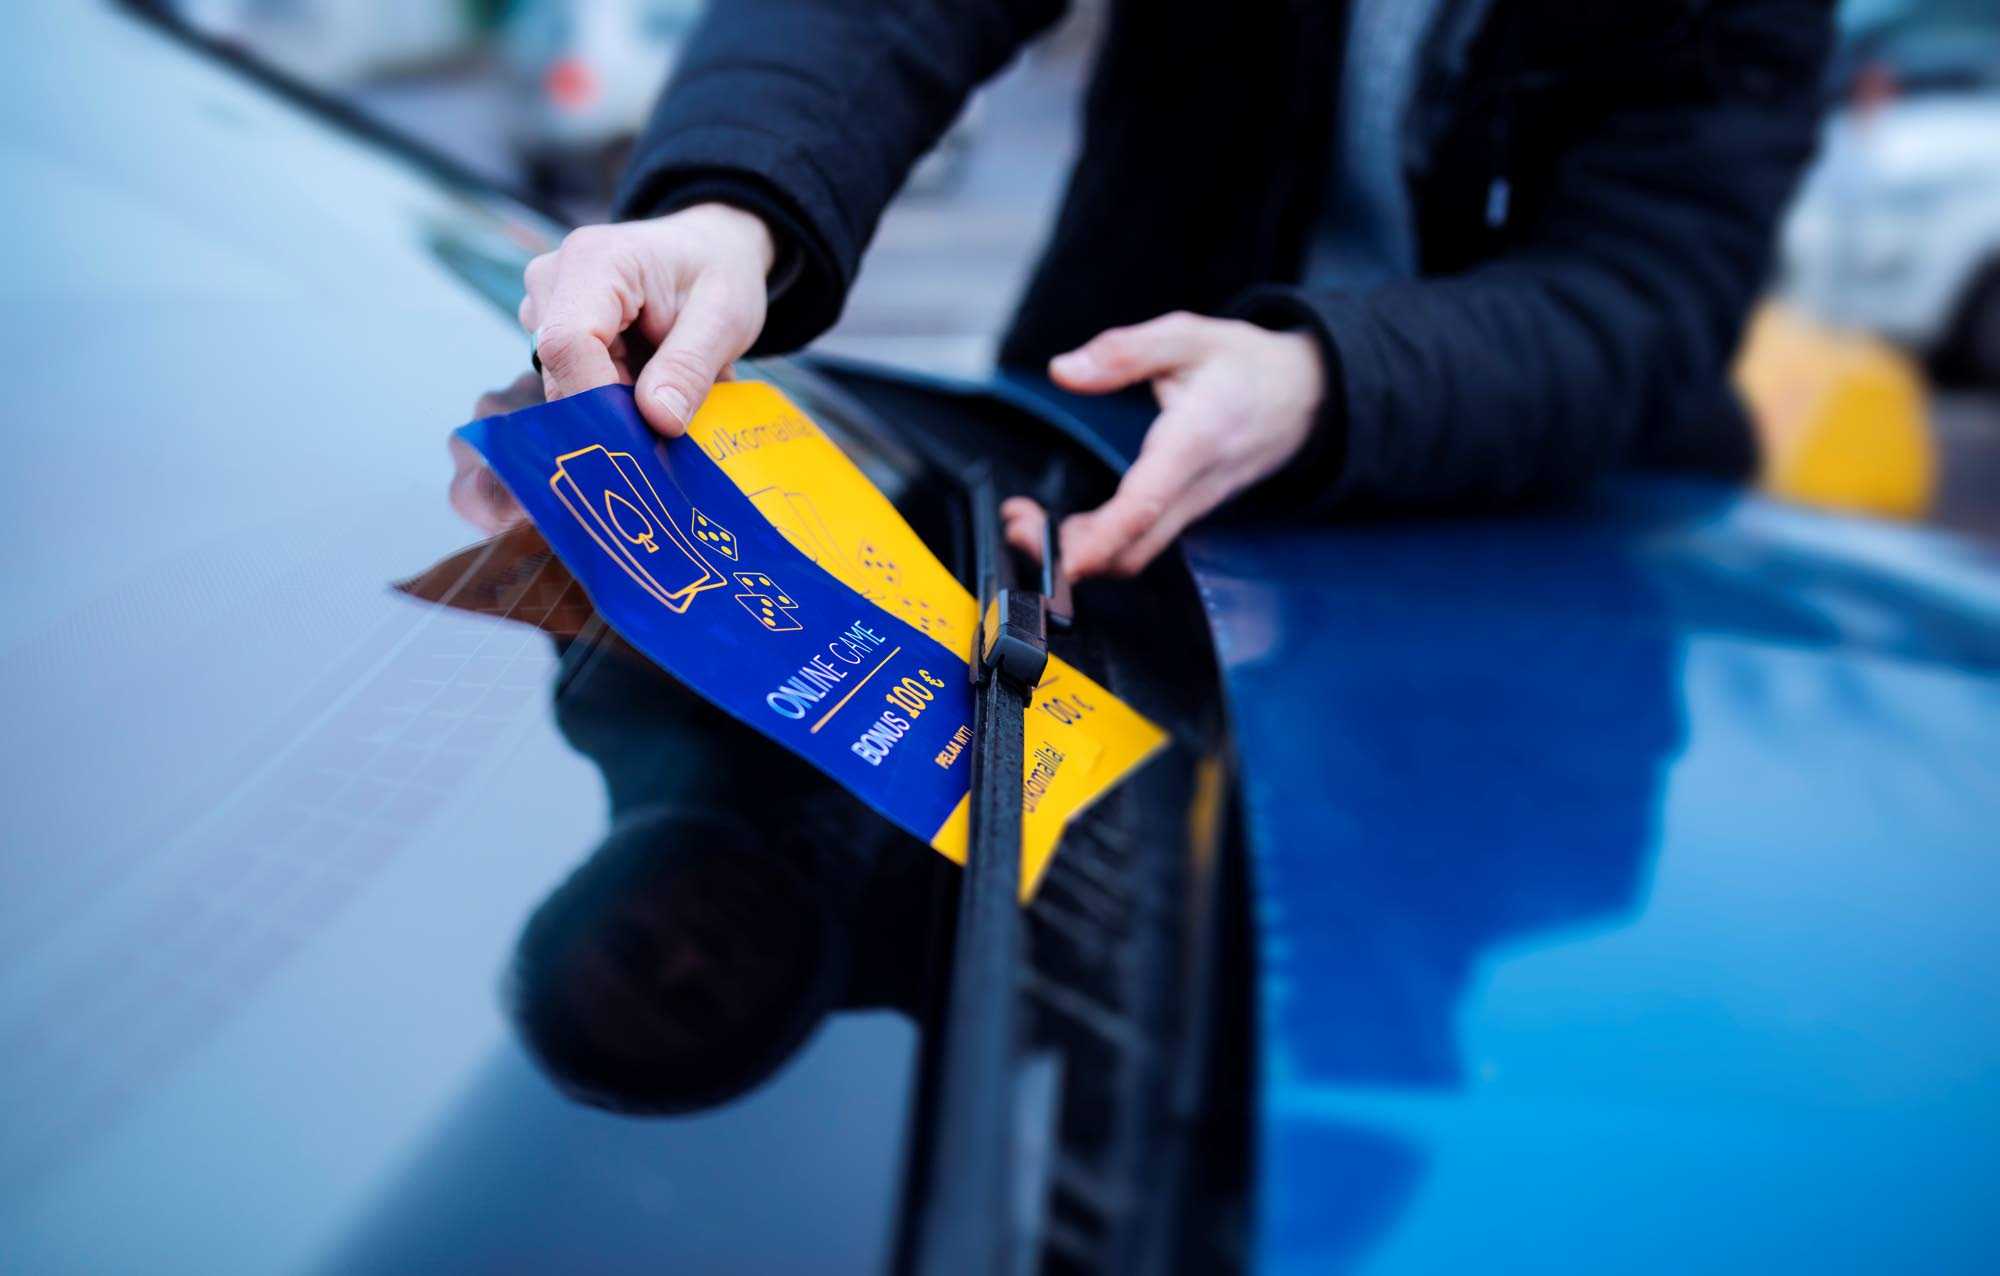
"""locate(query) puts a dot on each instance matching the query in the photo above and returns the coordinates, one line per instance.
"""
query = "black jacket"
(1594, 184)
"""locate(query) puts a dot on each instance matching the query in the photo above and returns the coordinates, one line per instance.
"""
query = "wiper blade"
(968, 1217)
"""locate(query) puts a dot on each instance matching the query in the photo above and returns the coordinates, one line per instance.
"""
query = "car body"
(1607, 888)
(584, 77)
(1896, 229)
(337, 42)
(1620, 914)
(1900, 221)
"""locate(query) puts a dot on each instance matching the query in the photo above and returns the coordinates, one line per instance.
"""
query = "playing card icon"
(771, 606)
(611, 497)
(797, 520)
(631, 522)
(714, 535)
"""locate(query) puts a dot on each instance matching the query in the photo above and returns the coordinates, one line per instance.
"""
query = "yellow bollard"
(1841, 417)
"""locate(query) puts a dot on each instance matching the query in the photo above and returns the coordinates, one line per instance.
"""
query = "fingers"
(536, 279)
(1024, 524)
(1119, 357)
(580, 303)
(1202, 496)
(519, 393)
(477, 493)
(682, 294)
(574, 359)
(715, 325)
(1166, 489)
(1238, 404)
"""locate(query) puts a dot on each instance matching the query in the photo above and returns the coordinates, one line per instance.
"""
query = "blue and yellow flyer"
(756, 563)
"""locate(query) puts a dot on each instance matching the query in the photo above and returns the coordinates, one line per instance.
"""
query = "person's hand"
(1236, 402)
(688, 286)
(477, 493)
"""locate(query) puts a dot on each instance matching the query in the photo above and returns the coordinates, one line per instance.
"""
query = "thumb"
(1118, 357)
(712, 329)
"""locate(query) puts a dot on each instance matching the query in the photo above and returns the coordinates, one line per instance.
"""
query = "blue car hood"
(1624, 882)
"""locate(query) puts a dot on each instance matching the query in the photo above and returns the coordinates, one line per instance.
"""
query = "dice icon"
(714, 535)
(874, 560)
(918, 613)
(770, 605)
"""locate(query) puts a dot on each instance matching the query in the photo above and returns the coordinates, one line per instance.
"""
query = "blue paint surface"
(1626, 887)
(1625, 879)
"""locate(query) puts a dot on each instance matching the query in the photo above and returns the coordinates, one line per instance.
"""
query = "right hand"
(689, 285)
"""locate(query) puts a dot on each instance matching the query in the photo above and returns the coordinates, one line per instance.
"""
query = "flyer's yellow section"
(1079, 739)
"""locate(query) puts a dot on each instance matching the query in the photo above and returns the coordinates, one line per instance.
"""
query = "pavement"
(1966, 427)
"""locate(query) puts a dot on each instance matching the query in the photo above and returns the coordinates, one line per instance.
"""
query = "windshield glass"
(343, 923)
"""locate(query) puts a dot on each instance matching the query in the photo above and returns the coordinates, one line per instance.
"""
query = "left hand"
(1236, 402)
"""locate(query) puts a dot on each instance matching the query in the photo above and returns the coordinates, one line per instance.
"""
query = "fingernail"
(670, 399)
(1074, 364)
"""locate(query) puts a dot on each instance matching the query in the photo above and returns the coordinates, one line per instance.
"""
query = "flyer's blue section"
(679, 561)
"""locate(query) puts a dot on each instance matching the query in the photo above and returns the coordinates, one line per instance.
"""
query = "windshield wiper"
(967, 1219)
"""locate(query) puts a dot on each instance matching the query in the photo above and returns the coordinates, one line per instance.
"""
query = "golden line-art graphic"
(797, 520)
(714, 535)
(773, 610)
(875, 561)
(644, 536)
(841, 703)
(618, 506)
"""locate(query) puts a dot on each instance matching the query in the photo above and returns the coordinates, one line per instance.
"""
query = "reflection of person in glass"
(739, 895)
(676, 967)
(1488, 787)
(732, 905)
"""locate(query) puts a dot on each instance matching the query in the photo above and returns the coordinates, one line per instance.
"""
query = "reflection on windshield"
(489, 258)
(675, 968)
(736, 897)
(1487, 788)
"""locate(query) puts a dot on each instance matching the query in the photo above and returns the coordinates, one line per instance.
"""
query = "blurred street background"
(1874, 370)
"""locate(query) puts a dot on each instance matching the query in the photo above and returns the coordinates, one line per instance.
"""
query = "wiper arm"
(968, 1217)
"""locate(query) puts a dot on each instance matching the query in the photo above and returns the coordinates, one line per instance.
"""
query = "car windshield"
(345, 914)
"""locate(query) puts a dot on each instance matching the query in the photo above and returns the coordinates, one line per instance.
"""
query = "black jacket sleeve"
(1601, 335)
(811, 114)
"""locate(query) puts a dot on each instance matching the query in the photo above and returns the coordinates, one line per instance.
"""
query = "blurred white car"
(335, 42)
(586, 73)
(1896, 229)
